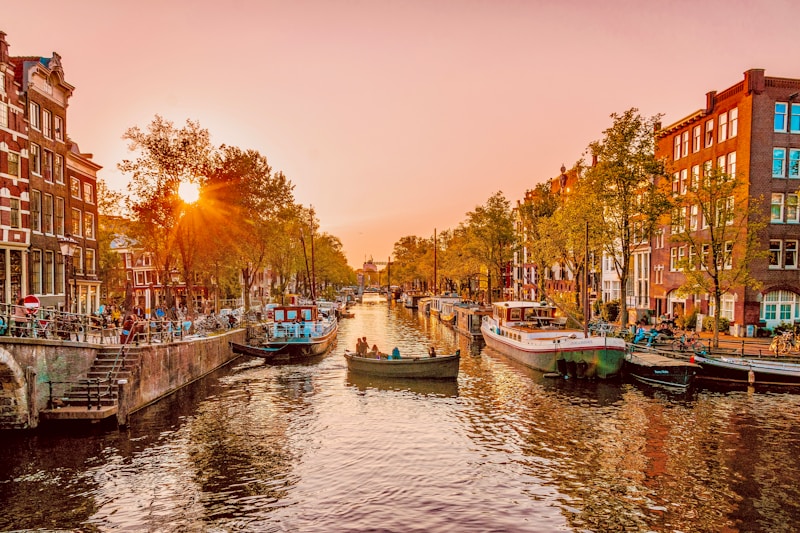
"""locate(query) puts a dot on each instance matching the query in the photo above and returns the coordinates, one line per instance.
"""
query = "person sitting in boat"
(374, 352)
(395, 353)
(432, 352)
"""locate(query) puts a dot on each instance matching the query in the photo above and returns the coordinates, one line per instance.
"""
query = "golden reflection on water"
(312, 448)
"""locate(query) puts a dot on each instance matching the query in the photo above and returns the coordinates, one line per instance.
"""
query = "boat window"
(307, 314)
(516, 314)
(291, 314)
(279, 315)
(530, 312)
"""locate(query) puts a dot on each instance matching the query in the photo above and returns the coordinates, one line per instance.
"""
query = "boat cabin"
(530, 314)
(295, 313)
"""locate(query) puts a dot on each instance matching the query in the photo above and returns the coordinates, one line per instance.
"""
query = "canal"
(308, 447)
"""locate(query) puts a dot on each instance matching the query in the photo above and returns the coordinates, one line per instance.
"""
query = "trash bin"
(751, 330)
(699, 325)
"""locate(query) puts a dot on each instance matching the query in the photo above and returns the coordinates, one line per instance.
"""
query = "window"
(60, 216)
(88, 225)
(35, 118)
(89, 262)
(49, 263)
(781, 109)
(709, 133)
(684, 180)
(733, 127)
(47, 124)
(794, 163)
(778, 162)
(775, 253)
(59, 279)
(681, 257)
(676, 182)
(59, 128)
(728, 255)
(13, 164)
(47, 210)
(723, 128)
(88, 193)
(792, 212)
(77, 261)
(673, 259)
(140, 278)
(693, 217)
(790, 254)
(696, 138)
(732, 164)
(77, 220)
(677, 152)
(685, 143)
(14, 223)
(3, 115)
(36, 271)
(48, 165)
(776, 213)
(794, 119)
(695, 183)
(36, 159)
(75, 187)
(36, 210)
(721, 163)
(58, 169)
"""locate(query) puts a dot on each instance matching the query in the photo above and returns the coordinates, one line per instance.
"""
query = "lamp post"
(68, 246)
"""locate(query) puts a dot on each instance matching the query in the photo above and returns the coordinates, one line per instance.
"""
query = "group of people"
(363, 350)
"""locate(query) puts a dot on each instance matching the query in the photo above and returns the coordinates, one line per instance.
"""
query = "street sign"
(31, 303)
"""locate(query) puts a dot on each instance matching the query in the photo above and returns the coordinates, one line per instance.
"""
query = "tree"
(411, 264)
(716, 221)
(167, 156)
(491, 236)
(110, 226)
(624, 179)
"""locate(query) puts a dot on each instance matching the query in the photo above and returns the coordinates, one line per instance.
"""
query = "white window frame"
(776, 208)
(697, 138)
(792, 208)
(781, 114)
(47, 124)
(35, 159)
(722, 127)
(732, 164)
(794, 163)
(779, 162)
(685, 143)
(775, 254)
(676, 153)
(35, 117)
(790, 250)
(58, 127)
(709, 133)
(794, 118)
(733, 123)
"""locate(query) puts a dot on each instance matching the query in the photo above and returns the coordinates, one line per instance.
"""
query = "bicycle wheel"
(700, 348)
(678, 346)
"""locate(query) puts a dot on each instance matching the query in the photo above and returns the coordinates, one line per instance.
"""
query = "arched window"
(780, 306)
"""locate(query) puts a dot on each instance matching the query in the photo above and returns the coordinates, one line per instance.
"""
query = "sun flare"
(189, 192)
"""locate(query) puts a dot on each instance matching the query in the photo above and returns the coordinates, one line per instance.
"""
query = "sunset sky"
(395, 118)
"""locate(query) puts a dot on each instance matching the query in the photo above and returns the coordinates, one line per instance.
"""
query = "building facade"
(751, 130)
(38, 209)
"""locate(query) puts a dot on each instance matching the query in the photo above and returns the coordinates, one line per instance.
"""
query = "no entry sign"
(31, 303)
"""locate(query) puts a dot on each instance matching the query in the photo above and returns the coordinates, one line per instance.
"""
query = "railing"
(94, 392)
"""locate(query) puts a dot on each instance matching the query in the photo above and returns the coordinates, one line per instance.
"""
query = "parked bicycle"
(689, 342)
(784, 343)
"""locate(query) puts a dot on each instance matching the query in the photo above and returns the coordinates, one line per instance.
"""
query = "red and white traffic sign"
(31, 303)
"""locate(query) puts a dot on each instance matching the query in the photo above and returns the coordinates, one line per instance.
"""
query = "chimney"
(711, 100)
(754, 81)
(3, 48)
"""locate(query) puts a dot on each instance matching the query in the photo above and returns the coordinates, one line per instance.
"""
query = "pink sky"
(396, 118)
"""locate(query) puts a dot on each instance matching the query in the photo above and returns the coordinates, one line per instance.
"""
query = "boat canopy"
(523, 313)
(295, 313)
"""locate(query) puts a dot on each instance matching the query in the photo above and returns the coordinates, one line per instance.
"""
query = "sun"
(189, 192)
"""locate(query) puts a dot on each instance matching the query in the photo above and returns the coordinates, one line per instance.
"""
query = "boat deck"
(654, 360)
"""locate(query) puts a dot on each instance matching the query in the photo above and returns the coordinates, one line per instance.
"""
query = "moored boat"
(254, 351)
(443, 304)
(417, 367)
(373, 296)
(527, 332)
(468, 318)
(656, 369)
(300, 331)
(777, 371)
(411, 299)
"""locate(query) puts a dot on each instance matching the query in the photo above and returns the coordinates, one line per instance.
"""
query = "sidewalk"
(742, 345)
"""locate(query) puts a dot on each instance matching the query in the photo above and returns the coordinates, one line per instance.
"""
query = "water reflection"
(310, 447)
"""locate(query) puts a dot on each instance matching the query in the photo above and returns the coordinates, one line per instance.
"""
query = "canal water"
(308, 447)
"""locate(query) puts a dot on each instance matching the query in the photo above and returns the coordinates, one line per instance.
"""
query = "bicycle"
(783, 343)
(689, 342)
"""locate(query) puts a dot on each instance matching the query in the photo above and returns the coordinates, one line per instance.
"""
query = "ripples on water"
(310, 448)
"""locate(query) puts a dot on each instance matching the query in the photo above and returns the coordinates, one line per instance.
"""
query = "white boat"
(444, 302)
(415, 367)
(373, 296)
(528, 333)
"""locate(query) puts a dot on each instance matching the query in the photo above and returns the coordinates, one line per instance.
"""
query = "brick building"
(48, 188)
(751, 129)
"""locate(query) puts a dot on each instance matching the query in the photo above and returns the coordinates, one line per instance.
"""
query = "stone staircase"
(95, 397)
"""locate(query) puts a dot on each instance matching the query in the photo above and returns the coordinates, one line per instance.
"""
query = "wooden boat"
(422, 367)
(411, 299)
(468, 318)
(775, 371)
(254, 351)
(657, 369)
(300, 331)
(527, 332)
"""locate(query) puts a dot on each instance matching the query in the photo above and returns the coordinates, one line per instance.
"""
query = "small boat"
(411, 299)
(775, 371)
(419, 367)
(528, 332)
(656, 369)
(254, 351)
(373, 296)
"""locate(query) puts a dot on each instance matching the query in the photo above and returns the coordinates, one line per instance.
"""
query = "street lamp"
(68, 246)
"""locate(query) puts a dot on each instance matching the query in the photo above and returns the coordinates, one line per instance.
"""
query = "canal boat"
(773, 371)
(254, 351)
(529, 333)
(373, 296)
(443, 304)
(411, 299)
(468, 318)
(653, 368)
(299, 331)
(407, 367)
